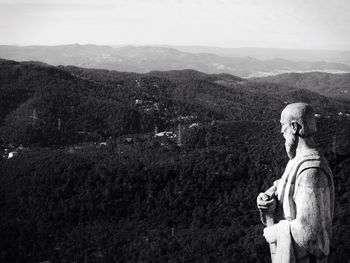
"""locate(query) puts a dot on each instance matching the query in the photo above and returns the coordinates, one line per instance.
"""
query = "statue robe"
(304, 214)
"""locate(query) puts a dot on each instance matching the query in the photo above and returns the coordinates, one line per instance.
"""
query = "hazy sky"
(315, 24)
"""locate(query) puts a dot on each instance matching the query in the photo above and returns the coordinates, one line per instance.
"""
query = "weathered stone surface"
(298, 209)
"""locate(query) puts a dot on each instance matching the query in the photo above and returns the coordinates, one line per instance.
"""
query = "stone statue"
(298, 208)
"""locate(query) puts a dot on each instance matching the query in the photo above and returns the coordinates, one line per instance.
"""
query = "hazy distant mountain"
(331, 85)
(337, 56)
(149, 58)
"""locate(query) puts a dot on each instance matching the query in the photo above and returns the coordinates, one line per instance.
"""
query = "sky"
(297, 24)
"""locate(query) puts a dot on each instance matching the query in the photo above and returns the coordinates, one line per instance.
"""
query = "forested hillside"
(94, 183)
(46, 105)
(332, 85)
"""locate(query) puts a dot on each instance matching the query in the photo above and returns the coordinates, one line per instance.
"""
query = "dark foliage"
(143, 202)
(142, 199)
(332, 85)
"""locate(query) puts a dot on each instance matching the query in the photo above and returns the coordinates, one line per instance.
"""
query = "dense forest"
(46, 105)
(332, 85)
(93, 183)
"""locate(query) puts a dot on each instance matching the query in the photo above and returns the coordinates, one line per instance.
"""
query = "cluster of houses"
(147, 105)
(166, 134)
(12, 151)
(339, 114)
(96, 145)
(342, 114)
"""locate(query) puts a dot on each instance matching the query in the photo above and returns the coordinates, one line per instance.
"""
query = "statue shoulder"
(312, 174)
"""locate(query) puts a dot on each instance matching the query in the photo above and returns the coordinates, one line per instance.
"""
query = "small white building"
(12, 154)
(195, 124)
(128, 140)
(166, 134)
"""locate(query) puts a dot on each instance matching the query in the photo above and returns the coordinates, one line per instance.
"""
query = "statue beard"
(291, 145)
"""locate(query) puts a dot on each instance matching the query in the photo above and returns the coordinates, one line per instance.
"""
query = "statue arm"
(267, 217)
(311, 229)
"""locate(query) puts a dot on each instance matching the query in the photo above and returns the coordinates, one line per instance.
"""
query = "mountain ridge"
(331, 85)
(89, 100)
(143, 59)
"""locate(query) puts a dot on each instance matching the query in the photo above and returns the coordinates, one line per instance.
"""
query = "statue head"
(298, 122)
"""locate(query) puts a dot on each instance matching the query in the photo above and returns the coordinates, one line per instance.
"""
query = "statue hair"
(302, 114)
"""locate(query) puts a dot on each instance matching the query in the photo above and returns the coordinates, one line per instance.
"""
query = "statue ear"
(295, 127)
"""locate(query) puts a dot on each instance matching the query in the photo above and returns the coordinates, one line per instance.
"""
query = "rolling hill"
(331, 85)
(336, 56)
(35, 97)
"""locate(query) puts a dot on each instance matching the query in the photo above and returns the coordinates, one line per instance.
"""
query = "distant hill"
(183, 74)
(337, 56)
(144, 59)
(331, 85)
(60, 105)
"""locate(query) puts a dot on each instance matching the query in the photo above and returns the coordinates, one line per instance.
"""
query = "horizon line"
(176, 45)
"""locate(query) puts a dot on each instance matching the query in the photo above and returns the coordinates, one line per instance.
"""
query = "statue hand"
(270, 233)
(266, 204)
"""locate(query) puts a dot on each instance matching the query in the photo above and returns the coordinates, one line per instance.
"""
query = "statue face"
(291, 142)
(286, 124)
